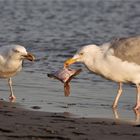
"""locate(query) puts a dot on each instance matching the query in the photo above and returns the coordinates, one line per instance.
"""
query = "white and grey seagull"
(118, 60)
(11, 58)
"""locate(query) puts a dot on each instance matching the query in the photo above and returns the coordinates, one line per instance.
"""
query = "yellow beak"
(30, 57)
(69, 62)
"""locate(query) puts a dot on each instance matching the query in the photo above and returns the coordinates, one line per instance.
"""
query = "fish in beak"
(69, 61)
(65, 75)
(29, 57)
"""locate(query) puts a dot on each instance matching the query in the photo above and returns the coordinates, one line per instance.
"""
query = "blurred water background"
(53, 30)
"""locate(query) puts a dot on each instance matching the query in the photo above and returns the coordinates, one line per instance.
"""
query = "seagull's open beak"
(69, 61)
(29, 56)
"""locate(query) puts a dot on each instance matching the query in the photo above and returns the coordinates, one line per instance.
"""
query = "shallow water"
(53, 30)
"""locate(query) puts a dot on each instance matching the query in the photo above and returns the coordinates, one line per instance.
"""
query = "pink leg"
(115, 103)
(138, 97)
(11, 97)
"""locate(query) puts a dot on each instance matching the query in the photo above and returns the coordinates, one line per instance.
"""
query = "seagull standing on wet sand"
(11, 58)
(118, 61)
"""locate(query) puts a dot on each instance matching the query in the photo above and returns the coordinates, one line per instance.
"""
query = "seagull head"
(83, 55)
(18, 52)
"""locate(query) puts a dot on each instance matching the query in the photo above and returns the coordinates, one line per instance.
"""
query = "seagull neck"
(97, 61)
(100, 65)
(10, 65)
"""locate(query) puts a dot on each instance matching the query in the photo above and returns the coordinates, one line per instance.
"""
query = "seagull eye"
(16, 51)
(81, 53)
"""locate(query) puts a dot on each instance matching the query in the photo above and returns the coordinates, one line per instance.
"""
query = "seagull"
(11, 59)
(118, 60)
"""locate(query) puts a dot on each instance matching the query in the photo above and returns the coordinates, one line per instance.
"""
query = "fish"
(65, 75)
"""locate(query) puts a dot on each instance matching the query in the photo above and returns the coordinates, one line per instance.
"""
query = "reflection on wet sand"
(118, 117)
(12, 100)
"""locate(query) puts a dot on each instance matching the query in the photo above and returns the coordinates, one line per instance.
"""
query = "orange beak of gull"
(29, 57)
(69, 61)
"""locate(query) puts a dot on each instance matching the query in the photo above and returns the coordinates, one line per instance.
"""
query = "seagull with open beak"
(11, 59)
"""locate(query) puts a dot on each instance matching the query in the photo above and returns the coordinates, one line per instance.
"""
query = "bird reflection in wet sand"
(11, 59)
(119, 118)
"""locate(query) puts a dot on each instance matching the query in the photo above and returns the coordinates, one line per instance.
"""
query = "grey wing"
(127, 49)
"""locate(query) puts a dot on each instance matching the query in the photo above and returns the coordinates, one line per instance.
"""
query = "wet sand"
(17, 123)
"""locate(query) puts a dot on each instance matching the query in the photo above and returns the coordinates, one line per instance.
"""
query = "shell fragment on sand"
(65, 75)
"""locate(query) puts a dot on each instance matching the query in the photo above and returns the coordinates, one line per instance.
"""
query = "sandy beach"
(17, 123)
